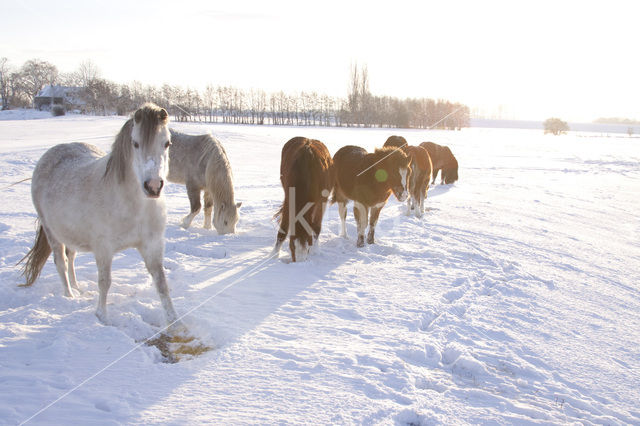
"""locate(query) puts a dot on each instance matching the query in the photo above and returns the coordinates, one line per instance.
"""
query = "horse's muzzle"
(153, 187)
(401, 194)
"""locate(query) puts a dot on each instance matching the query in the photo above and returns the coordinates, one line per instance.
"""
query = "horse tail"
(35, 259)
(298, 175)
(278, 214)
(305, 170)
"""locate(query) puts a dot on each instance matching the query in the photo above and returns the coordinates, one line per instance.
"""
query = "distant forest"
(95, 95)
(616, 120)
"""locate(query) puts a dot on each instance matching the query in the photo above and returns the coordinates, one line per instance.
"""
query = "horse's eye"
(167, 144)
(136, 145)
(226, 223)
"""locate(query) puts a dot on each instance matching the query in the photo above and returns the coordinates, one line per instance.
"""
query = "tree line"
(363, 108)
(99, 96)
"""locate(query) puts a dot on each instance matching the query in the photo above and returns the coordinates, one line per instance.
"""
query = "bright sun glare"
(529, 60)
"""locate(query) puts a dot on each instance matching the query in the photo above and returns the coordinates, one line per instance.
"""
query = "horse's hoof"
(102, 316)
(177, 328)
(360, 242)
(370, 241)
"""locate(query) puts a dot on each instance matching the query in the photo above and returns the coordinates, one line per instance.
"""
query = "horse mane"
(218, 170)
(396, 141)
(450, 158)
(391, 157)
(120, 156)
(149, 116)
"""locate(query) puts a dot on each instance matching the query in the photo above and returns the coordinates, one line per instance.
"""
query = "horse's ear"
(238, 204)
(163, 114)
(138, 115)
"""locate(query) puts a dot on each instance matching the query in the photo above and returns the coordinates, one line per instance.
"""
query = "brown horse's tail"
(36, 257)
(297, 177)
(303, 175)
(278, 215)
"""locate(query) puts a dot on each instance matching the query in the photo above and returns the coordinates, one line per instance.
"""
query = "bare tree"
(353, 97)
(18, 94)
(5, 73)
(87, 72)
(101, 96)
(365, 97)
(210, 101)
(37, 74)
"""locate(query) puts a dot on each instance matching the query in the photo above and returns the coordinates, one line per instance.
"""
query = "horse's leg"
(71, 257)
(316, 221)
(193, 192)
(409, 205)
(361, 213)
(60, 259)
(373, 220)
(415, 198)
(342, 211)
(152, 254)
(416, 205)
(316, 225)
(435, 173)
(103, 261)
(423, 197)
(208, 209)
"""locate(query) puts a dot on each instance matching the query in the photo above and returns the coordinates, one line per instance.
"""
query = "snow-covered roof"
(52, 92)
(69, 94)
(57, 91)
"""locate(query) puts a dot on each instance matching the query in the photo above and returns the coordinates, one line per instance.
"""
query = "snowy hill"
(513, 300)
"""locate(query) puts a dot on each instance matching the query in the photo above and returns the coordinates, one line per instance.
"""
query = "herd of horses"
(309, 175)
(87, 200)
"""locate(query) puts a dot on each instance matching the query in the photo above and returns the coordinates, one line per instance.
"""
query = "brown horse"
(442, 159)
(396, 142)
(421, 168)
(307, 176)
(368, 179)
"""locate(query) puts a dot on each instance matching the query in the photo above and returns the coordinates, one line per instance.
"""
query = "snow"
(23, 114)
(513, 300)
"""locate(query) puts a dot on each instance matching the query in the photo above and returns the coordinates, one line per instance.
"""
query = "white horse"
(200, 163)
(89, 201)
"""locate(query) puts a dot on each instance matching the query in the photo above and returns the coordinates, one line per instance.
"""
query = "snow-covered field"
(514, 300)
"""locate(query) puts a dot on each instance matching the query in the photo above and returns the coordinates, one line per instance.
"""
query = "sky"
(527, 59)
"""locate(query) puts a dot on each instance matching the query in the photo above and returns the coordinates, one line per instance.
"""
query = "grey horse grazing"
(200, 163)
(89, 201)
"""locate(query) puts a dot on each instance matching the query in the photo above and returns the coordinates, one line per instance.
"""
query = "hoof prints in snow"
(490, 308)
(177, 348)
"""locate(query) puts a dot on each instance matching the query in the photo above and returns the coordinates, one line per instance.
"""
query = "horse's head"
(395, 170)
(450, 174)
(300, 247)
(150, 140)
(225, 217)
